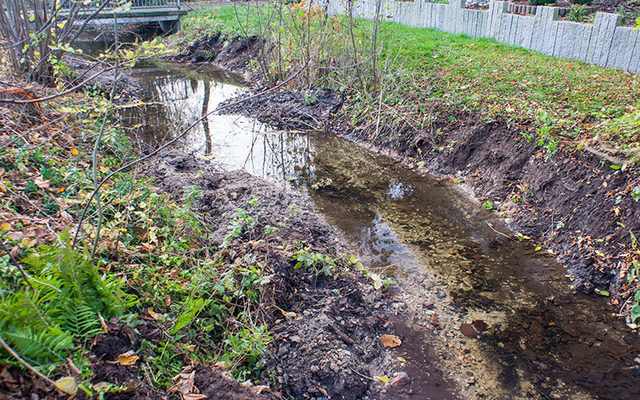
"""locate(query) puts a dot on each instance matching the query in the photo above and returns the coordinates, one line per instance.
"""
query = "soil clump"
(325, 330)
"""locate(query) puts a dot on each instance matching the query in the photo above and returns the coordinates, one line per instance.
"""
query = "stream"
(490, 316)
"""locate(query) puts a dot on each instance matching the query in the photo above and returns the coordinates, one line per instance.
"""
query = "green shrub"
(583, 2)
(577, 14)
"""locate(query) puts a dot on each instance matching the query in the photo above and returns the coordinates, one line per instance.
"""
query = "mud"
(231, 53)
(571, 203)
(316, 110)
(325, 328)
(126, 87)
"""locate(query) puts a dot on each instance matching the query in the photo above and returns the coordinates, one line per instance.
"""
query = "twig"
(54, 96)
(22, 271)
(24, 363)
(361, 375)
(498, 232)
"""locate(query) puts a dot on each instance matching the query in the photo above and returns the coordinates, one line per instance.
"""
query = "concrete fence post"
(604, 42)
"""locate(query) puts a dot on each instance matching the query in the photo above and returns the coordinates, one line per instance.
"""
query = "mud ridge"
(327, 338)
(572, 203)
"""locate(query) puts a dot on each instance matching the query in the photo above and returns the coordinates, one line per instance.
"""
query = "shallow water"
(451, 260)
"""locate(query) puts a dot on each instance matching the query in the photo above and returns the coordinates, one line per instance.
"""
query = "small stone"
(401, 379)
(295, 339)
(282, 351)
(334, 367)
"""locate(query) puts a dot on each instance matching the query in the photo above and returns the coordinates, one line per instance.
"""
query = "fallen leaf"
(480, 325)
(390, 341)
(384, 379)
(258, 390)
(68, 385)
(74, 151)
(434, 320)
(401, 359)
(100, 386)
(184, 383)
(5, 226)
(42, 183)
(128, 358)
(194, 396)
(221, 366)
(152, 313)
(468, 331)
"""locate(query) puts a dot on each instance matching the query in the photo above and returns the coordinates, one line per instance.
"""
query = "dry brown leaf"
(258, 390)
(390, 341)
(128, 358)
(184, 383)
(152, 313)
(42, 183)
(194, 396)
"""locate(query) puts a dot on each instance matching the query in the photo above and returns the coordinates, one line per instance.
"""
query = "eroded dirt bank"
(325, 330)
(572, 203)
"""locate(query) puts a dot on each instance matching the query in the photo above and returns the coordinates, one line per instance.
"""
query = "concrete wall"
(604, 42)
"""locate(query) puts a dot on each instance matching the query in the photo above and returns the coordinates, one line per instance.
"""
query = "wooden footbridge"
(107, 12)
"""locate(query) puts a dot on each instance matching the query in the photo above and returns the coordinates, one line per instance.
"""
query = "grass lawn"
(564, 101)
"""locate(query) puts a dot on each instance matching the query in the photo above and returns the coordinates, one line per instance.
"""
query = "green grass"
(569, 100)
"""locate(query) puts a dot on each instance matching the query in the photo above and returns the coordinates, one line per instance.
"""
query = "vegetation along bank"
(551, 145)
(129, 273)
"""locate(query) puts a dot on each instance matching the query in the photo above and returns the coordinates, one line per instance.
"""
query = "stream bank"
(573, 203)
(490, 313)
(560, 207)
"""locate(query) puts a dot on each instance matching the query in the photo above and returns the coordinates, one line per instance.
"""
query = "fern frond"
(42, 345)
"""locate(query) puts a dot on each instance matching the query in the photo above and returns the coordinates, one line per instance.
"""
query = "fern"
(43, 323)
(42, 346)
(82, 321)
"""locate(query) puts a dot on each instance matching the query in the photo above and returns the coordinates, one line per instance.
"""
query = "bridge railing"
(113, 4)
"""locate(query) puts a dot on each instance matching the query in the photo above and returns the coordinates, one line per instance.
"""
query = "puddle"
(450, 259)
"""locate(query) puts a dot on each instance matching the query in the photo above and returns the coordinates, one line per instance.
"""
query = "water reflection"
(446, 253)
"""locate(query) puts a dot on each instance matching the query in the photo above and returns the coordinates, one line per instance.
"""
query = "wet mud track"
(489, 312)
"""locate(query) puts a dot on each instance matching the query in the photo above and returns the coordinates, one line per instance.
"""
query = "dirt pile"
(325, 331)
(232, 53)
(102, 77)
(574, 203)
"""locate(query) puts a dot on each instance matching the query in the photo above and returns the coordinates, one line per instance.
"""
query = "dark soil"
(328, 341)
(566, 202)
(314, 110)
(16, 384)
(571, 202)
(231, 53)
(126, 87)
(121, 339)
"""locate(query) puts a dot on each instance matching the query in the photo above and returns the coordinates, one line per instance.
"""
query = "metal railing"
(113, 4)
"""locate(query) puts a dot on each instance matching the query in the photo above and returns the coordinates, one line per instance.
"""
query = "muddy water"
(451, 260)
